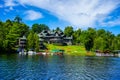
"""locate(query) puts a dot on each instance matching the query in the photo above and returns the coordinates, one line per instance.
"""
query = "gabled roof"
(51, 33)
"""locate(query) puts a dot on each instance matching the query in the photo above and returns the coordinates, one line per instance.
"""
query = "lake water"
(15, 67)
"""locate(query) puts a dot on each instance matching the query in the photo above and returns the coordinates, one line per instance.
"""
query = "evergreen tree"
(58, 29)
(18, 19)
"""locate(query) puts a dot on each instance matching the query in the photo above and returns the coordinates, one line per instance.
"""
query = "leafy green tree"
(30, 40)
(118, 38)
(24, 29)
(89, 39)
(116, 43)
(2, 35)
(37, 42)
(11, 38)
(33, 41)
(44, 27)
(39, 27)
(13, 30)
(99, 44)
(109, 37)
(68, 31)
(36, 28)
(83, 37)
(101, 33)
(8, 23)
(76, 36)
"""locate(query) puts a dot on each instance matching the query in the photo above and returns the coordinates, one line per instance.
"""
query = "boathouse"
(22, 44)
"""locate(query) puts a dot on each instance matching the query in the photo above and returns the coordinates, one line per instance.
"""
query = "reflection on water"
(59, 68)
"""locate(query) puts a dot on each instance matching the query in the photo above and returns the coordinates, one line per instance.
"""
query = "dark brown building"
(55, 37)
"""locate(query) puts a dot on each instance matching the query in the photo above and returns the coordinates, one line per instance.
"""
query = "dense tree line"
(92, 39)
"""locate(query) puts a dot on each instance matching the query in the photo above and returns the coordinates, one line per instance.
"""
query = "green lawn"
(71, 50)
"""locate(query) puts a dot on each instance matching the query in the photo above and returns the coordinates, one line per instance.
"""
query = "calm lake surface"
(16, 67)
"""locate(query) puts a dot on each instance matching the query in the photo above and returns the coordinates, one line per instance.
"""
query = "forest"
(92, 39)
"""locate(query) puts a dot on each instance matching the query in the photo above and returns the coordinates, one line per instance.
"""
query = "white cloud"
(9, 3)
(32, 15)
(1, 6)
(111, 23)
(81, 13)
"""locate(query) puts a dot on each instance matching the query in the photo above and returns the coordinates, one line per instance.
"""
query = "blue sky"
(61, 13)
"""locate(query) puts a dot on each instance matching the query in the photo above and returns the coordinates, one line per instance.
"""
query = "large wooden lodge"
(50, 37)
(57, 37)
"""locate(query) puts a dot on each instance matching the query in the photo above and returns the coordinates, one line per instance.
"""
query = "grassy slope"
(71, 50)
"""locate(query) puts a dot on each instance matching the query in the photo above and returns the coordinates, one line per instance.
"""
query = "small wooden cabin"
(22, 42)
